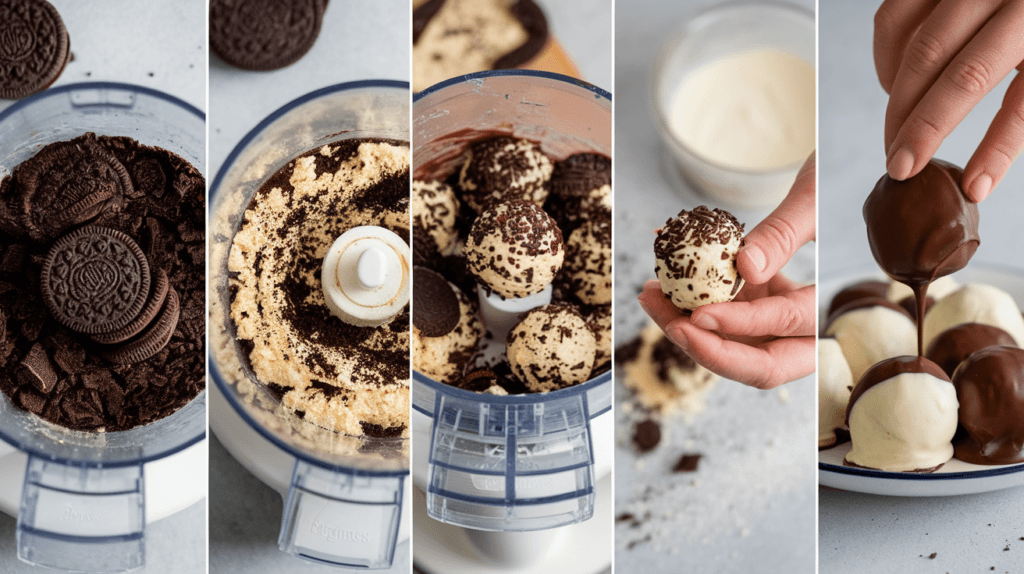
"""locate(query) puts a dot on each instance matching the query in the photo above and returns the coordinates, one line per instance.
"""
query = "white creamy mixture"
(752, 110)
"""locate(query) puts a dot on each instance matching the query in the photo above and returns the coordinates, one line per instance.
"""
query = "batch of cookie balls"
(509, 222)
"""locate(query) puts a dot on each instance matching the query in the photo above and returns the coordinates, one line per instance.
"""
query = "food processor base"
(445, 549)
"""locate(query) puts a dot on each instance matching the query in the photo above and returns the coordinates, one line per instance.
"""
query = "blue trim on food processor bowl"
(598, 92)
(225, 389)
(525, 399)
(100, 86)
(11, 110)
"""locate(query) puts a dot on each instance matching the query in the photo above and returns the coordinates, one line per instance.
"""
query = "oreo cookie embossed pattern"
(102, 261)
(34, 47)
(263, 35)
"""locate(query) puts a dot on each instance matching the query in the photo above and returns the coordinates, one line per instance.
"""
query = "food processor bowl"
(345, 496)
(515, 463)
(84, 497)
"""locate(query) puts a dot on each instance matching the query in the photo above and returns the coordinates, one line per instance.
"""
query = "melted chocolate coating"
(990, 387)
(921, 229)
(860, 290)
(954, 345)
(863, 303)
(888, 369)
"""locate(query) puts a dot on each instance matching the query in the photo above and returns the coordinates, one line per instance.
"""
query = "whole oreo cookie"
(95, 280)
(577, 186)
(264, 35)
(157, 296)
(34, 47)
(154, 338)
(435, 307)
(69, 183)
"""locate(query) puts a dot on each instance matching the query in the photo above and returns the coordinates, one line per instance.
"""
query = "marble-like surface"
(866, 533)
(751, 505)
(159, 45)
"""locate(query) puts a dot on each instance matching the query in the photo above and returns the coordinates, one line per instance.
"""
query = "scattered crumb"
(783, 395)
(933, 555)
(744, 532)
(687, 463)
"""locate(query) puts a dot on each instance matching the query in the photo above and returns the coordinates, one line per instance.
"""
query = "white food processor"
(346, 497)
(517, 483)
(83, 499)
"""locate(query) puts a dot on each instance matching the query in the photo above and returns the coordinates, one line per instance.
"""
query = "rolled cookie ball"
(872, 330)
(990, 387)
(588, 260)
(835, 383)
(504, 169)
(975, 303)
(434, 211)
(515, 249)
(446, 328)
(902, 417)
(696, 257)
(955, 344)
(551, 348)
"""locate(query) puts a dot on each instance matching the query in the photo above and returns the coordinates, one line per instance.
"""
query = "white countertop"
(865, 533)
(750, 506)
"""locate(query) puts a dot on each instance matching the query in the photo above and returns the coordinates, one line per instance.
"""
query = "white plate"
(955, 477)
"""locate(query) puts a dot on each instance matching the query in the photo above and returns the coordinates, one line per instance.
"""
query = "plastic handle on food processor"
(82, 518)
(511, 465)
(341, 518)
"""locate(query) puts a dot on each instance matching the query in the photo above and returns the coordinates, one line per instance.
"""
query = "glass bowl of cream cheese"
(734, 94)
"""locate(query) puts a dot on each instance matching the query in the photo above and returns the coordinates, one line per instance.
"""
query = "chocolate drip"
(921, 229)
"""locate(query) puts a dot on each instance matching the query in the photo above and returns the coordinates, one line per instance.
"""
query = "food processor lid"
(479, 76)
(515, 462)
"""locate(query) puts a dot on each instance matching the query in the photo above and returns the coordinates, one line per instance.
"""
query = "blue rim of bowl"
(214, 371)
(674, 40)
(931, 477)
(527, 399)
(28, 101)
(598, 92)
(25, 102)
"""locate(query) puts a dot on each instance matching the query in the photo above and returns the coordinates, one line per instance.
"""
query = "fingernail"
(901, 163)
(644, 306)
(705, 321)
(980, 188)
(756, 257)
(676, 336)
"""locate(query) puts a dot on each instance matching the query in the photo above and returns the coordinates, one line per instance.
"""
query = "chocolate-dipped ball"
(580, 184)
(504, 169)
(835, 383)
(515, 249)
(551, 348)
(953, 345)
(990, 387)
(902, 417)
(924, 227)
(871, 330)
(696, 257)
(975, 303)
(860, 290)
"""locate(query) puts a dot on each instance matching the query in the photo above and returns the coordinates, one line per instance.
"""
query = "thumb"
(770, 245)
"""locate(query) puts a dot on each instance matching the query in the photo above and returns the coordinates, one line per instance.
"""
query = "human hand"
(766, 336)
(937, 59)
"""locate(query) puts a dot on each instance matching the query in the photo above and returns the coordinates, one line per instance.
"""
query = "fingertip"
(652, 284)
(979, 188)
(703, 318)
(676, 334)
(751, 263)
(900, 164)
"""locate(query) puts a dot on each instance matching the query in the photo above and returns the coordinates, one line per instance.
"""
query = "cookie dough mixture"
(516, 207)
(456, 37)
(353, 380)
(102, 278)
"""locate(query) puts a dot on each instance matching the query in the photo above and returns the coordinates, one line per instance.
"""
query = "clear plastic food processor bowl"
(83, 500)
(346, 494)
(522, 462)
